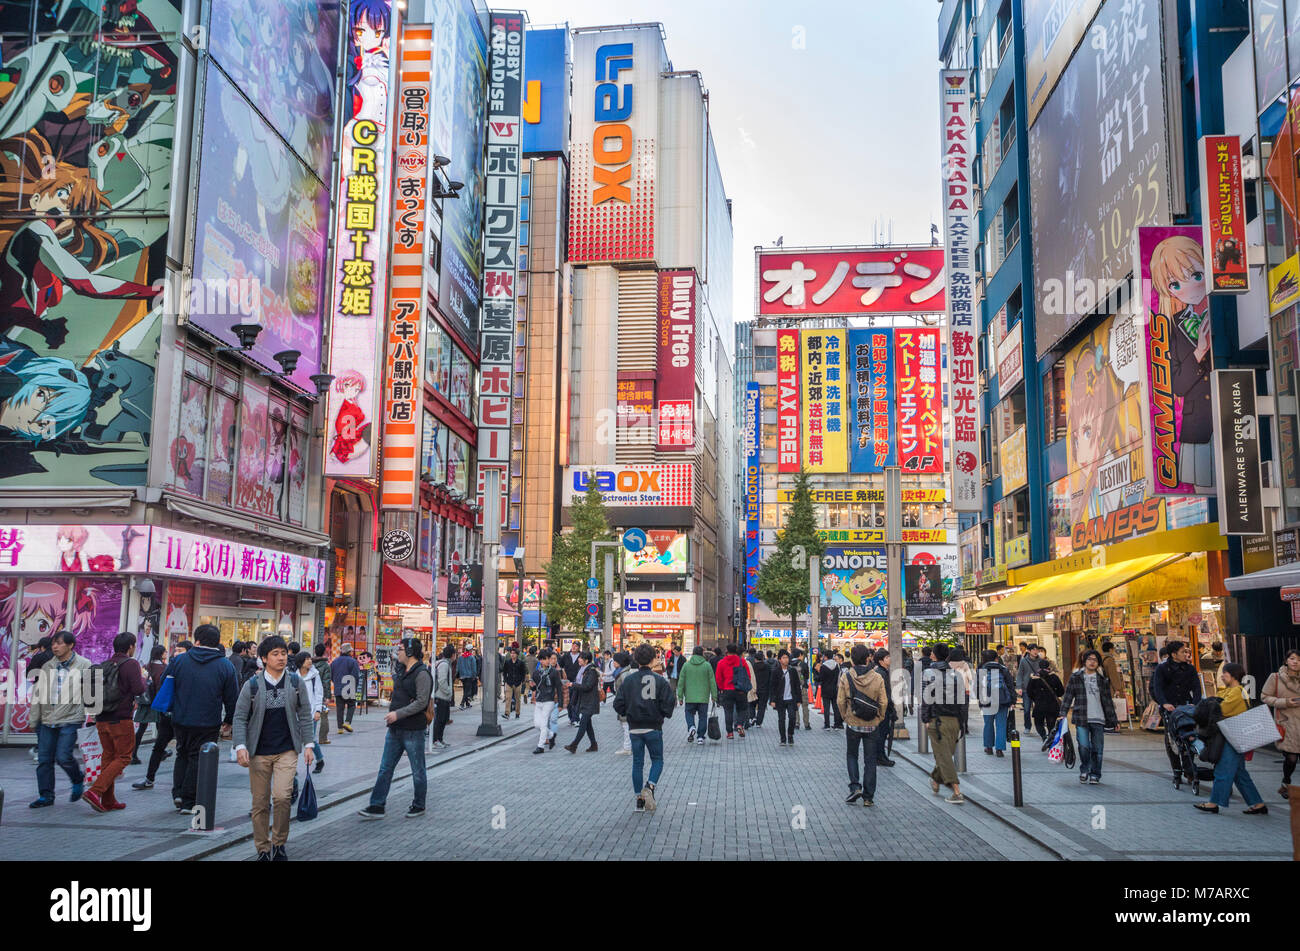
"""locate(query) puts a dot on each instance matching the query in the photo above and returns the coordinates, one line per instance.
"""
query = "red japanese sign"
(787, 395)
(636, 401)
(676, 360)
(1223, 215)
(920, 401)
(851, 281)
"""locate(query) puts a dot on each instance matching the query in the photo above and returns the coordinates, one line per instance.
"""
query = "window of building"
(1054, 416)
(765, 359)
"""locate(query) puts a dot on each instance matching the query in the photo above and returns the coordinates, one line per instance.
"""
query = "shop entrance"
(239, 624)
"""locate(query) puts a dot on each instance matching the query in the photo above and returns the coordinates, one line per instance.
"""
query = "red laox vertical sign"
(403, 392)
(675, 339)
(1223, 215)
(500, 250)
(957, 136)
(787, 396)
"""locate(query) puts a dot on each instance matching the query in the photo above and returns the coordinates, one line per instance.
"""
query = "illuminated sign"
(787, 413)
(850, 282)
(675, 348)
(98, 549)
(182, 555)
(671, 485)
(825, 401)
(753, 487)
(677, 607)
(1223, 215)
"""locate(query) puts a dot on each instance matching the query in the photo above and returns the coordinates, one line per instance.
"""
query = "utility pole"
(894, 555)
(607, 631)
(491, 635)
(815, 599)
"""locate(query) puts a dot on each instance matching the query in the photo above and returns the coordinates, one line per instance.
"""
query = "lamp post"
(608, 630)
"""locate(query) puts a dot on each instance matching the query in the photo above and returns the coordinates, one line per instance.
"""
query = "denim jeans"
(702, 711)
(56, 744)
(653, 742)
(397, 742)
(870, 743)
(1092, 741)
(1231, 768)
(995, 729)
(586, 728)
(441, 714)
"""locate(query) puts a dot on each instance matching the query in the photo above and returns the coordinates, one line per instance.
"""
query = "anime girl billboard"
(1171, 263)
(87, 103)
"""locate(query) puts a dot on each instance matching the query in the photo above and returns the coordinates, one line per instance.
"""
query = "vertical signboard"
(1241, 508)
(546, 92)
(403, 391)
(500, 248)
(787, 395)
(361, 248)
(1171, 264)
(1223, 214)
(871, 392)
(615, 125)
(753, 486)
(675, 345)
(957, 135)
(825, 420)
(920, 402)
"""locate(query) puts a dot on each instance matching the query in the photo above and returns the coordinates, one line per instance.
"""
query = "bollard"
(922, 736)
(961, 754)
(1018, 786)
(2, 803)
(205, 799)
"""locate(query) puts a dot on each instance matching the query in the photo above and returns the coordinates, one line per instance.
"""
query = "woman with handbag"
(1231, 767)
(1281, 694)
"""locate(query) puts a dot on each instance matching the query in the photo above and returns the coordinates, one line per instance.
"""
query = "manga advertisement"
(1171, 262)
(856, 581)
(86, 128)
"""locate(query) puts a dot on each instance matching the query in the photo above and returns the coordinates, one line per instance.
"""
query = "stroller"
(1184, 745)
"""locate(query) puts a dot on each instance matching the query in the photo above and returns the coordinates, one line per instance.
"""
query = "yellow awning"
(1074, 587)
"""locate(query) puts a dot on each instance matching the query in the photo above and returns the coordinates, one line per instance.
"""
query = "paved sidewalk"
(739, 799)
(1134, 814)
(150, 828)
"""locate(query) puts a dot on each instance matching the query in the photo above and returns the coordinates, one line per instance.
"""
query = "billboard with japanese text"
(614, 165)
(872, 439)
(920, 400)
(361, 245)
(753, 486)
(1098, 166)
(675, 359)
(850, 282)
(856, 581)
(1053, 29)
(787, 396)
(1223, 214)
(825, 401)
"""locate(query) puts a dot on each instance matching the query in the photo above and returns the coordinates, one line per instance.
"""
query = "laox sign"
(613, 167)
(663, 605)
(625, 480)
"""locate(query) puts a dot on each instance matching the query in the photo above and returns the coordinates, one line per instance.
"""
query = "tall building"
(647, 370)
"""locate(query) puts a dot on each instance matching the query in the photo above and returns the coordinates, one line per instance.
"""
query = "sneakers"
(348, 727)
(648, 794)
(1094, 780)
(41, 803)
(868, 802)
(1083, 779)
(550, 744)
(320, 765)
(855, 793)
(690, 735)
(806, 727)
(740, 731)
(699, 741)
(783, 743)
(731, 736)
(264, 856)
(115, 806)
(956, 799)
(439, 745)
(143, 784)
(278, 854)
(640, 804)
(177, 802)
(371, 812)
(628, 752)
(414, 813)
(92, 799)
(540, 749)
(326, 742)
(77, 793)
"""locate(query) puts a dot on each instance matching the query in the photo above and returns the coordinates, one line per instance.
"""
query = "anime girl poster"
(221, 477)
(1171, 262)
(250, 493)
(187, 458)
(101, 603)
(1103, 395)
(39, 611)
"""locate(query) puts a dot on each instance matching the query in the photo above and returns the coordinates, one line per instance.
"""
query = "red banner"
(1223, 215)
(787, 388)
(850, 282)
(676, 361)
(920, 401)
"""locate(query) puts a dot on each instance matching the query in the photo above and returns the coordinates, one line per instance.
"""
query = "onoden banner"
(825, 401)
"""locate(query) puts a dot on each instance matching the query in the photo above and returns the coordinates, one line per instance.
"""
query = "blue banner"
(546, 92)
(753, 486)
(873, 435)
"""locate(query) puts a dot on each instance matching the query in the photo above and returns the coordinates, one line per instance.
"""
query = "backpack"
(740, 677)
(987, 691)
(112, 685)
(294, 681)
(863, 707)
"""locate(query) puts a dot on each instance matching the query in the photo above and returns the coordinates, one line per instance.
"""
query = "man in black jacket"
(645, 700)
(1175, 683)
(513, 674)
(548, 690)
(828, 678)
(407, 723)
(762, 683)
(584, 699)
(801, 665)
(880, 663)
(945, 706)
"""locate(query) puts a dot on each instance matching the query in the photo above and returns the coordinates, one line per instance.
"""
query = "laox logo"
(625, 480)
(653, 605)
(612, 168)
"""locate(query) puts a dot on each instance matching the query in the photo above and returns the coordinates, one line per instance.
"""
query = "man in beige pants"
(273, 720)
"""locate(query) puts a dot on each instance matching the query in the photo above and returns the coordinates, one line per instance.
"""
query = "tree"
(933, 631)
(570, 564)
(784, 580)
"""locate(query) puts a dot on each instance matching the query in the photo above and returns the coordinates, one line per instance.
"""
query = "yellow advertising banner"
(1015, 462)
(825, 402)
(833, 496)
(1284, 284)
(876, 536)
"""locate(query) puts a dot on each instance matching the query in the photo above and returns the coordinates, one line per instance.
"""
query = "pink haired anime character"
(351, 429)
(44, 610)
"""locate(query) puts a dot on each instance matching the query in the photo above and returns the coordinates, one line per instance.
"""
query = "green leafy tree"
(570, 564)
(933, 631)
(785, 579)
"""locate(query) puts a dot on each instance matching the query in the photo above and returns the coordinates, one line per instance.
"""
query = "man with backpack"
(945, 705)
(408, 717)
(996, 699)
(322, 666)
(204, 683)
(345, 675)
(862, 699)
(646, 700)
(733, 687)
(118, 681)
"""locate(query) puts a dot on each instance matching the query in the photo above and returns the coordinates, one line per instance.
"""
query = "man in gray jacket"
(272, 726)
(412, 687)
(58, 710)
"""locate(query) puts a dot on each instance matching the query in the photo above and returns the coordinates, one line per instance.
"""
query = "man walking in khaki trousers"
(945, 705)
(273, 726)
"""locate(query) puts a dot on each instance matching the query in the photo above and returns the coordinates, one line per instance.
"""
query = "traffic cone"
(816, 700)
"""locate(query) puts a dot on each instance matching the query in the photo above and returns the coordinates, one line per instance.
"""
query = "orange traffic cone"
(815, 700)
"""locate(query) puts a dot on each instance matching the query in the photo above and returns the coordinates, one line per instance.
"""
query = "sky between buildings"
(825, 112)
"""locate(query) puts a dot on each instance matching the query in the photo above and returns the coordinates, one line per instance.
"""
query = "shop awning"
(406, 585)
(1285, 576)
(1074, 587)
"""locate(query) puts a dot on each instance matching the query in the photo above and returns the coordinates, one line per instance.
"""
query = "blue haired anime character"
(369, 23)
(42, 400)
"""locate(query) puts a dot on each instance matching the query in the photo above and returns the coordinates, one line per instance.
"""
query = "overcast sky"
(824, 144)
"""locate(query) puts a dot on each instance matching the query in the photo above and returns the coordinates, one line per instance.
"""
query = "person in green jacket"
(696, 688)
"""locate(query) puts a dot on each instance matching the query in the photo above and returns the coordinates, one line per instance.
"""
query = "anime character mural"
(87, 97)
(42, 612)
(351, 428)
(368, 69)
(1171, 261)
